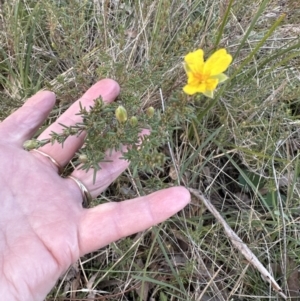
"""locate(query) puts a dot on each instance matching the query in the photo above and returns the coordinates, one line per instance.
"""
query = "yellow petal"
(193, 89)
(211, 84)
(217, 63)
(192, 79)
(194, 57)
(190, 90)
(194, 61)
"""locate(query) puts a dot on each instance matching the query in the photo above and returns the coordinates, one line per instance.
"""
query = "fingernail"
(107, 88)
(41, 96)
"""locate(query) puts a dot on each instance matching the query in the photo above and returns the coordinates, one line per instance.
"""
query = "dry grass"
(248, 167)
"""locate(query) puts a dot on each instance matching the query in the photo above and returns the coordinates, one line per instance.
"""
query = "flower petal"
(193, 89)
(211, 84)
(192, 79)
(194, 61)
(218, 62)
(189, 89)
(194, 57)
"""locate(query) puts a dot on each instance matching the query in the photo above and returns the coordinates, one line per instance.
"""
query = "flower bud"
(133, 121)
(150, 112)
(121, 114)
(30, 144)
(82, 158)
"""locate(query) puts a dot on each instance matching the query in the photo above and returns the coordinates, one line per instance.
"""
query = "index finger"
(108, 89)
(109, 222)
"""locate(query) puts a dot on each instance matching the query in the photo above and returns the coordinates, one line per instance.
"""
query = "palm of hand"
(43, 227)
(39, 222)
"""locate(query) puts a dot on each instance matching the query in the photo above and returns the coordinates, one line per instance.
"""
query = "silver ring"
(60, 169)
(86, 196)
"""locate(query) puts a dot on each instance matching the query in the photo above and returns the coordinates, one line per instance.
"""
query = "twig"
(239, 244)
(169, 145)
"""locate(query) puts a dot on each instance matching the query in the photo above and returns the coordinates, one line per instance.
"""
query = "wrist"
(22, 277)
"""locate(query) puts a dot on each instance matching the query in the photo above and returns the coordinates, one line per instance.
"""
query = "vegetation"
(240, 148)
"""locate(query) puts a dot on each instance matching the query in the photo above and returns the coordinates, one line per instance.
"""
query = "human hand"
(43, 226)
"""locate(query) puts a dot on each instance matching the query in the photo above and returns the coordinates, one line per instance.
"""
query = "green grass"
(241, 151)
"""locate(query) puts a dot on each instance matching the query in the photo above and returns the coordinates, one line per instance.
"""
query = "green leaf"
(272, 197)
(248, 180)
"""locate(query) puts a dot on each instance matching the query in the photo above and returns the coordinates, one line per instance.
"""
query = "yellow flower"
(203, 77)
